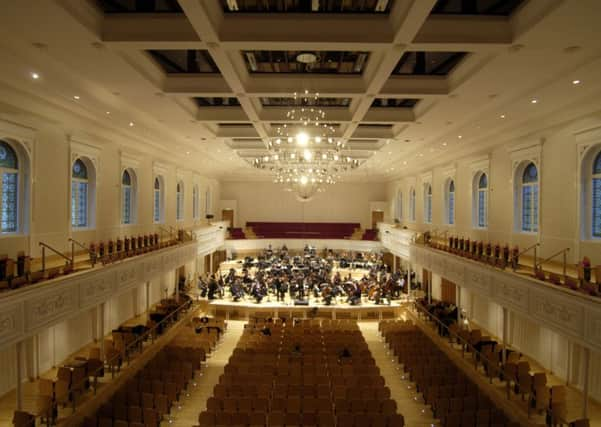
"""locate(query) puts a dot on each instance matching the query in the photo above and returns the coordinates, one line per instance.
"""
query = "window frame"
(132, 187)
(160, 193)
(398, 207)
(412, 204)
(449, 202)
(533, 188)
(594, 182)
(427, 203)
(18, 190)
(179, 201)
(196, 202)
(76, 194)
(477, 203)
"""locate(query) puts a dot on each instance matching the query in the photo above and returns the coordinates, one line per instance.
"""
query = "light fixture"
(459, 136)
(444, 144)
(534, 101)
(302, 139)
(76, 97)
(107, 113)
(131, 124)
(187, 152)
(576, 82)
(35, 75)
(502, 116)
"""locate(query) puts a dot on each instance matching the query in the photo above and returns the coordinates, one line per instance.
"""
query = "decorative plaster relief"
(566, 316)
(51, 306)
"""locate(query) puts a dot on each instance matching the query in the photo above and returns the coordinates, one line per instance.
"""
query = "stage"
(247, 309)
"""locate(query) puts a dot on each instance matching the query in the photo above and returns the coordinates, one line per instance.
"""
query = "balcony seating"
(303, 230)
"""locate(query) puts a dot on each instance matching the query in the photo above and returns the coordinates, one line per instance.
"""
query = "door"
(228, 215)
(376, 216)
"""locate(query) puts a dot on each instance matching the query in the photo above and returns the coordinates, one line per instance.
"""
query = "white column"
(211, 262)
(147, 286)
(29, 348)
(94, 314)
(37, 356)
(569, 370)
(19, 375)
(458, 302)
(505, 336)
(101, 329)
(587, 359)
(393, 263)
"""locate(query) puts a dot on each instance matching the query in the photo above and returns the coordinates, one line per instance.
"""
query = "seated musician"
(213, 288)
(237, 290)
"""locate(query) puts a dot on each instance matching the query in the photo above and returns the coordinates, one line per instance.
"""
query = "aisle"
(409, 403)
(196, 403)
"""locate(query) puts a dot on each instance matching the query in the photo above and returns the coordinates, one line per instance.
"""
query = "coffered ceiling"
(408, 83)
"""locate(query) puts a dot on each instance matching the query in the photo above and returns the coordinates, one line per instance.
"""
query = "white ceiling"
(76, 49)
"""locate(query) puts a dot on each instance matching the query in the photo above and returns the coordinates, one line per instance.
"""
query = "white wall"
(559, 196)
(50, 166)
(264, 201)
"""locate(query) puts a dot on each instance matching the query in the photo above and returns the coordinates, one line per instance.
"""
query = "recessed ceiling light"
(459, 136)
(405, 162)
(76, 97)
(35, 75)
(131, 124)
(576, 82)
(107, 112)
(390, 152)
(421, 154)
(444, 144)
(502, 116)
(187, 152)
(534, 101)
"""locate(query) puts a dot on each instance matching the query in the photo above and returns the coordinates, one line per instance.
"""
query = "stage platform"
(247, 309)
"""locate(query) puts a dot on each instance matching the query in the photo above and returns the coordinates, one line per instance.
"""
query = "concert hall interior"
(313, 213)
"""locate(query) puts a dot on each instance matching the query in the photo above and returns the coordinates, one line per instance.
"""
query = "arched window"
(450, 202)
(481, 201)
(529, 200)
(195, 202)
(412, 204)
(428, 203)
(80, 194)
(9, 188)
(208, 201)
(157, 213)
(179, 212)
(398, 208)
(128, 196)
(596, 194)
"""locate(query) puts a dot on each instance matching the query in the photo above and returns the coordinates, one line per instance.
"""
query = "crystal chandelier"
(306, 155)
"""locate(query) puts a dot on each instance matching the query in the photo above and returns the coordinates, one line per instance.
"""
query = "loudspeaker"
(301, 302)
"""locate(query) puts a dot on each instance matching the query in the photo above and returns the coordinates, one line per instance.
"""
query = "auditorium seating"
(303, 230)
(148, 397)
(298, 375)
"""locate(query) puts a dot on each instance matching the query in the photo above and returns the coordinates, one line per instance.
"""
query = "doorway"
(376, 216)
(228, 215)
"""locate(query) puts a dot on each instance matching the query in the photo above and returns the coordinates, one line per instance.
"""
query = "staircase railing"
(563, 252)
(46, 246)
(82, 246)
(534, 246)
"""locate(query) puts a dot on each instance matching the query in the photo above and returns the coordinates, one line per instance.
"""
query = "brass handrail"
(564, 252)
(81, 245)
(536, 245)
(44, 246)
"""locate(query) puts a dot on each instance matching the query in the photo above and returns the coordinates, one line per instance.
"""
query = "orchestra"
(278, 275)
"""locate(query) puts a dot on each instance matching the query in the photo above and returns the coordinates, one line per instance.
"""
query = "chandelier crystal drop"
(306, 155)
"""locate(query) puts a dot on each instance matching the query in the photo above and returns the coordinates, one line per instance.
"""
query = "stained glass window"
(8, 157)
(596, 193)
(530, 199)
(79, 195)
(451, 203)
(9, 169)
(179, 214)
(428, 204)
(482, 201)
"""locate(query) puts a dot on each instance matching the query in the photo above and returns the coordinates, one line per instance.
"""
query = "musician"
(237, 290)
(213, 287)
(257, 292)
